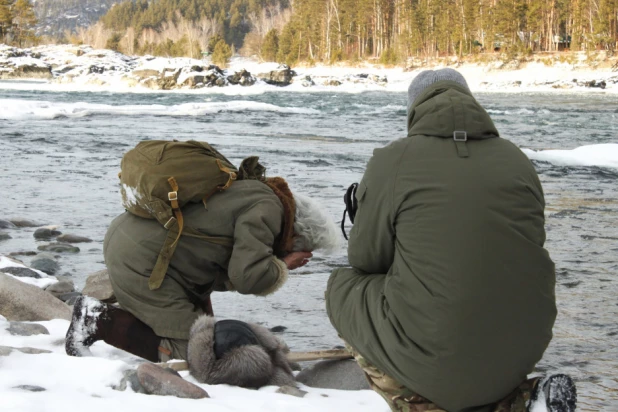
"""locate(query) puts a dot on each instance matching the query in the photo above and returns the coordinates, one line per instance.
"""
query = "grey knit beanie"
(428, 77)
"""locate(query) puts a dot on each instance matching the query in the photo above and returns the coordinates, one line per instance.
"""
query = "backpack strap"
(169, 246)
(175, 226)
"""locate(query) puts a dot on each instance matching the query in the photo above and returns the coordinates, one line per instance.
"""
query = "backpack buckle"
(460, 136)
(172, 196)
(170, 223)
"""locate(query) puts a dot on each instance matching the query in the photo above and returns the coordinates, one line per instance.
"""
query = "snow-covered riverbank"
(69, 67)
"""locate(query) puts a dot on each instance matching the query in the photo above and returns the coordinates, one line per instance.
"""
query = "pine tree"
(222, 54)
(270, 46)
(6, 18)
(24, 21)
(212, 42)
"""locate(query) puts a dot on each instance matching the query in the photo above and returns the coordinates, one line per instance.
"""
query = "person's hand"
(295, 260)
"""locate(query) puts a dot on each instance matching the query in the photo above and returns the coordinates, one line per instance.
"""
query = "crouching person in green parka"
(449, 302)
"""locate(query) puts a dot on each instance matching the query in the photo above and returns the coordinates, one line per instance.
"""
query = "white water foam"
(11, 109)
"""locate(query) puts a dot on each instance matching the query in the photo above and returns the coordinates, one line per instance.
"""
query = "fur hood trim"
(249, 366)
(285, 241)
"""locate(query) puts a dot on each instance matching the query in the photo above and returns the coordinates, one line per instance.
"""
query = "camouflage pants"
(401, 399)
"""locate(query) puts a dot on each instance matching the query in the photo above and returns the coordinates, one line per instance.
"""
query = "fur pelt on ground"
(249, 366)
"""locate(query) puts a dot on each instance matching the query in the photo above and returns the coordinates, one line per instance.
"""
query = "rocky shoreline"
(87, 66)
(83, 66)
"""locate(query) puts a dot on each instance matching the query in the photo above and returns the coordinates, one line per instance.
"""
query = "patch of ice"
(602, 155)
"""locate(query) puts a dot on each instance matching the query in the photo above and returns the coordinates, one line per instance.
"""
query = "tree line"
(17, 21)
(388, 30)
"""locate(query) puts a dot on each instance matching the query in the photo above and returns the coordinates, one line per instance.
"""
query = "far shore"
(82, 68)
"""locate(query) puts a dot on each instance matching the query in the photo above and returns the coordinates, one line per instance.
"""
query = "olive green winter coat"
(248, 212)
(450, 292)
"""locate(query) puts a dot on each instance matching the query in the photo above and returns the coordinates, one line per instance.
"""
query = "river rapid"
(61, 151)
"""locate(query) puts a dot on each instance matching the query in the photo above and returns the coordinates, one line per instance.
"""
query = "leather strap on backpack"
(175, 226)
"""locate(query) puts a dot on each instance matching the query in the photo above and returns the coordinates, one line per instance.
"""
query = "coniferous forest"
(388, 30)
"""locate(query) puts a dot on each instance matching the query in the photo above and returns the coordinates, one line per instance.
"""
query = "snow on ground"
(85, 384)
(602, 155)
(44, 281)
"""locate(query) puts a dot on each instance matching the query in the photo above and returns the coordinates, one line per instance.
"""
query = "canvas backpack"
(159, 177)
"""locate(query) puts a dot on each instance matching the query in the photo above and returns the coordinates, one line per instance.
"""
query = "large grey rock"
(159, 381)
(45, 262)
(23, 302)
(5, 236)
(99, 287)
(26, 329)
(60, 288)
(280, 77)
(69, 238)
(21, 272)
(7, 350)
(59, 248)
(334, 374)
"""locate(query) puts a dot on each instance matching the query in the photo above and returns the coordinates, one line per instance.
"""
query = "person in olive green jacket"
(449, 302)
(273, 231)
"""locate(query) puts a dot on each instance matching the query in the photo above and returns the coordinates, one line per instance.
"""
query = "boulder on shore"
(334, 374)
(20, 301)
(98, 286)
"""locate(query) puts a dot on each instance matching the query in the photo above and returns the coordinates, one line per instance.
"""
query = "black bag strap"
(350, 206)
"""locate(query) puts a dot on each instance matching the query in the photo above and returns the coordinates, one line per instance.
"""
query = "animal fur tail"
(249, 366)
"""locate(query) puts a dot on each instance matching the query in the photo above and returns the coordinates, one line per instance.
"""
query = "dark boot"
(94, 320)
(557, 392)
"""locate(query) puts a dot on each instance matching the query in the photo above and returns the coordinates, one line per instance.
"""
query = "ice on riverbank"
(601, 155)
(68, 67)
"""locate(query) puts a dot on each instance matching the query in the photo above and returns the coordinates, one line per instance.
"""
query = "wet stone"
(45, 233)
(158, 381)
(278, 329)
(26, 329)
(5, 224)
(21, 272)
(24, 253)
(31, 388)
(68, 238)
(4, 236)
(59, 248)
(25, 223)
(45, 262)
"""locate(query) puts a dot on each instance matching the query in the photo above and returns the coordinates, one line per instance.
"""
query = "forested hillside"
(56, 17)
(389, 30)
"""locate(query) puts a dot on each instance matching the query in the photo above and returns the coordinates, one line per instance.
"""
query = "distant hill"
(57, 16)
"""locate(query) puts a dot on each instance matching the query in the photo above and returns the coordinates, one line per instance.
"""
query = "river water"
(61, 151)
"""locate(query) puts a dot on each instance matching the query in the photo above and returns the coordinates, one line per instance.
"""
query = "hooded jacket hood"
(445, 107)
